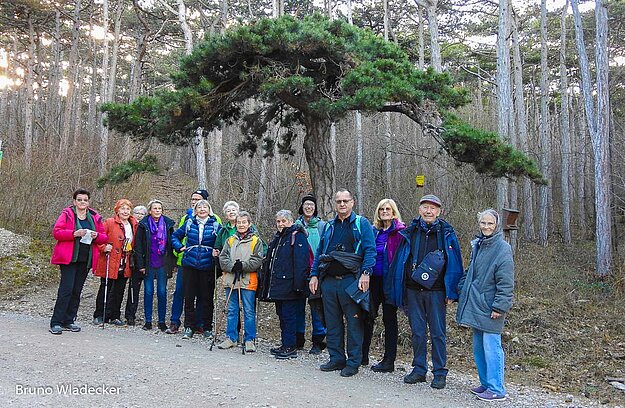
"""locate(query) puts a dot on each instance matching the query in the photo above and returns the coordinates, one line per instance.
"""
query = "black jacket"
(142, 246)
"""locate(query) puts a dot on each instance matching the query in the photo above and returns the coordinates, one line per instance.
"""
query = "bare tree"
(598, 126)
(504, 96)
(565, 143)
(545, 141)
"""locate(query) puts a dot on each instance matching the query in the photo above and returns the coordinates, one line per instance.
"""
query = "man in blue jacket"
(425, 287)
(347, 236)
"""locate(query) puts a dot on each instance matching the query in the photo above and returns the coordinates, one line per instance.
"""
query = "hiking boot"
(276, 350)
(300, 340)
(348, 371)
(364, 361)
(188, 333)
(208, 334)
(332, 366)
(490, 396)
(414, 377)
(226, 344)
(73, 327)
(439, 382)
(130, 321)
(287, 353)
(478, 390)
(162, 327)
(318, 345)
(384, 366)
(250, 347)
(147, 326)
(173, 329)
(117, 322)
(56, 329)
(97, 321)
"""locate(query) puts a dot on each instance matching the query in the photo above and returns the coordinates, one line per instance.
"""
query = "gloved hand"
(237, 269)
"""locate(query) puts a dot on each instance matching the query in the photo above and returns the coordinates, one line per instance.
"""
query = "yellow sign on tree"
(420, 180)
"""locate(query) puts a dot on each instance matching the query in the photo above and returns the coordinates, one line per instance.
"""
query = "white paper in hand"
(86, 239)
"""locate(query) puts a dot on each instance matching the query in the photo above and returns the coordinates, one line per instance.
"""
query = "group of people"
(343, 268)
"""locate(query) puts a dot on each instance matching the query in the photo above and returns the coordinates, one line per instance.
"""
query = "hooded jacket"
(63, 232)
(395, 285)
(286, 266)
(392, 244)
(198, 253)
(248, 249)
(487, 285)
(116, 237)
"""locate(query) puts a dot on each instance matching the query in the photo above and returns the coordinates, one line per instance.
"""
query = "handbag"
(361, 298)
(429, 269)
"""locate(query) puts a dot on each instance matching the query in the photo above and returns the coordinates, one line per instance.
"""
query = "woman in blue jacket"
(283, 278)
(197, 266)
(485, 299)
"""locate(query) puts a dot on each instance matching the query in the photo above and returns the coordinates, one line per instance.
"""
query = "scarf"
(158, 236)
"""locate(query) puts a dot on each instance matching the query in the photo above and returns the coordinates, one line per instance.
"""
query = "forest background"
(548, 80)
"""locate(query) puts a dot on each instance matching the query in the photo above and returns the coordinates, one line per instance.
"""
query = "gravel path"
(129, 367)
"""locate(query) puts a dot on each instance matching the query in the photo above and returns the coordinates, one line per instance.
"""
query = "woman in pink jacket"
(77, 230)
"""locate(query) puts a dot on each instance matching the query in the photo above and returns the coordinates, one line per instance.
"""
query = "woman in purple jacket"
(76, 231)
(386, 226)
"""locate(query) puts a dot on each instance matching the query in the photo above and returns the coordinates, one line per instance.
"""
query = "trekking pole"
(243, 322)
(214, 303)
(106, 287)
(225, 309)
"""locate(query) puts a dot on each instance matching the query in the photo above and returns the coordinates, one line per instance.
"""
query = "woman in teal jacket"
(485, 299)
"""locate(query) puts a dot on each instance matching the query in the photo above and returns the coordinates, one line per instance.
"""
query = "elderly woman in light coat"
(485, 299)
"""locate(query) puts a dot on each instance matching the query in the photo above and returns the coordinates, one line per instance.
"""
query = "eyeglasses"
(139, 213)
(343, 201)
(82, 200)
(486, 224)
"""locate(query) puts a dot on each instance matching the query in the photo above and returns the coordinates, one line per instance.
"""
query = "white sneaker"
(250, 347)
(226, 344)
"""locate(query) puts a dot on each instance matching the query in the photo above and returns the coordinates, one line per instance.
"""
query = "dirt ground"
(564, 338)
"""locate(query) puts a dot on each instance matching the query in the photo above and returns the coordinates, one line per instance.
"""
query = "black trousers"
(198, 284)
(132, 300)
(114, 297)
(67, 302)
(389, 317)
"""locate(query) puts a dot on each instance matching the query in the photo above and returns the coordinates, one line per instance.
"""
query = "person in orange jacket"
(120, 230)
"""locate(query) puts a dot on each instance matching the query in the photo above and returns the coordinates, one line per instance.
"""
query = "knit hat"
(203, 193)
(308, 197)
(430, 198)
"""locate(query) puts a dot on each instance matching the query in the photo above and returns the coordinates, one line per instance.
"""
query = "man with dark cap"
(345, 256)
(309, 219)
(426, 269)
(177, 303)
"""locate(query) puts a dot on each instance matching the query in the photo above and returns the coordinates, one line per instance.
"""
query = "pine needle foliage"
(123, 171)
(299, 71)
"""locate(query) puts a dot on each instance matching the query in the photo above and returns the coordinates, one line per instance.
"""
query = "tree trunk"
(215, 149)
(565, 144)
(30, 95)
(504, 97)
(360, 191)
(545, 141)
(52, 102)
(601, 144)
(104, 131)
(388, 160)
(114, 53)
(320, 162)
(435, 48)
(527, 203)
(421, 38)
(72, 68)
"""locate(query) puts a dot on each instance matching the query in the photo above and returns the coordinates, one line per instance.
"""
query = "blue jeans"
(67, 302)
(489, 359)
(286, 311)
(337, 307)
(426, 309)
(249, 314)
(178, 299)
(318, 329)
(161, 293)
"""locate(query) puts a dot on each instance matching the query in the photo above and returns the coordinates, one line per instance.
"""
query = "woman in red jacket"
(76, 231)
(120, 231)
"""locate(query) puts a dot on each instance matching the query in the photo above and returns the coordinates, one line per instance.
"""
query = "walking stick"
(214, 303)
(225, 308)
(243, 324)
(106, 287)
